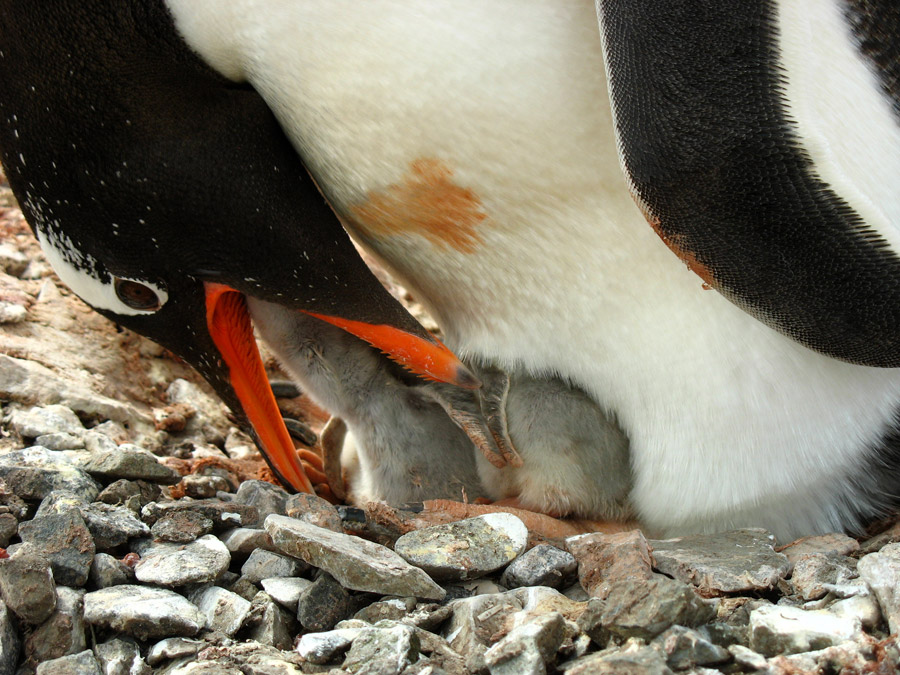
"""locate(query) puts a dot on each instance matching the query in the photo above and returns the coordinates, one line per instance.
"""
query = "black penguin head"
(163, 194)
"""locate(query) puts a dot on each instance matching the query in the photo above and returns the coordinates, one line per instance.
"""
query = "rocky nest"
(137, 538)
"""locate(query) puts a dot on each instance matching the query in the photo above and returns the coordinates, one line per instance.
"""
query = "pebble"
(633, 658)
(130, 462)
(66, 541)
(168, 564)
(542, 565)
(286, 591)
(881, 571)
(173, 648)
(323, 604)
(143, 612)
(60, 440)
(9, 527)
(383, 650)
(814, 573)
(181, 527)
(12, 261)
(209, 421)
(356, 564)
(314, 510)
(527, 649)
(108, 571)
(267, 498)
(271, 625)
(27, 586)
(224, 515)
(325, 647)
(110, 526)
(834, 543)
(11, 312)
(35, 472)
(776, 629)
(83, 663)
(606, 558)
(10, 645)
(225, 611)
(466, 549)
(41, 421)
(242, 541)
(120, 657)
(63, 633)
(686, 648)
(263, 564)
(742, 560)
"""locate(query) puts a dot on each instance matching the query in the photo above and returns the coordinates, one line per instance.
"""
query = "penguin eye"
(136, 295)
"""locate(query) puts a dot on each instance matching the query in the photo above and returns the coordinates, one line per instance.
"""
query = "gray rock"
(607, 558)
(12, 261)
(224, 515)
(202, 487)
(328, 646)
(175, 565)
(125, 461)
(815, 572)
(633, 658)
(269, 624)
(110, 526)
(476, 620)
(51, 419)
(881, 571)
(60, 440)
(829, 544)
(173, 648)
(466, 549)
(143, 612)
(543, 565)
(120, 657)
(355, 563)
(125, 492)
(77, 664)
(314, 510)
(382, 651)
(645, 609)
(23, 380)
(63, 633)
(392, 609)
(181, 527)
(66, 541)
(323, 604)
(209, 421)
(108, 571)
(741, 560)
(11, 312)
(35, 472)
(686, 648)
(263, 564)
(527, 649)
(591, 622)
(267, 498)
(863, 607)
(10, 645)
(27, 586)
(747, 658)
(242, 541)
(776, 629)
(225, 611)
(286, 591)
(9, 527)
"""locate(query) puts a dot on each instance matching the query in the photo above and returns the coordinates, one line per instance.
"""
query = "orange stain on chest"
(426, 202)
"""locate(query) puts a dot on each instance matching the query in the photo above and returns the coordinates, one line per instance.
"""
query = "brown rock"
(607, 558)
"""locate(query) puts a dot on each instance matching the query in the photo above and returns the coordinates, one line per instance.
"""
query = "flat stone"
(242, 541)
(323, 604)
(828, 544)
(108, 571)
(51, 419)
(269, 624)
(286, 591)
(66, 541)
(391, 609)
(181, 527)
(263, 564)
(175, 565)
(776, 629)
(224, 515)
(120, 657)
(747, 658)
(543, 565)
(328, 646)
(527, 649)
(385, 651)
(633, 658)
(110, 526)
(173, 648)
(77, 664)
(644, 609)
(727, 562)
(465, 549)
(35, 472)
(814, 573)
(124, 492)
(10, 645)
(606, 558)
(143, 612)
(476, 620)
(314, 510)
(686, 648)
(27, 586)
(225, 611)
(60, 441)
(863, 608)
(881, 571)
(267, 498)
(355, 563)
(125, 461)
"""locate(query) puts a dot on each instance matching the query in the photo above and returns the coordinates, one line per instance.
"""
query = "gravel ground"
(136, 539)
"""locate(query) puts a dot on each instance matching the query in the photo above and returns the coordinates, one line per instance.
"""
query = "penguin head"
(164, 195)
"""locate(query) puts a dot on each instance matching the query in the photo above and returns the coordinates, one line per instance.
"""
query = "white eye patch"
(73, 267)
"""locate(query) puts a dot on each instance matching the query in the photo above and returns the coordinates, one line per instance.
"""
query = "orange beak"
(229, 325)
